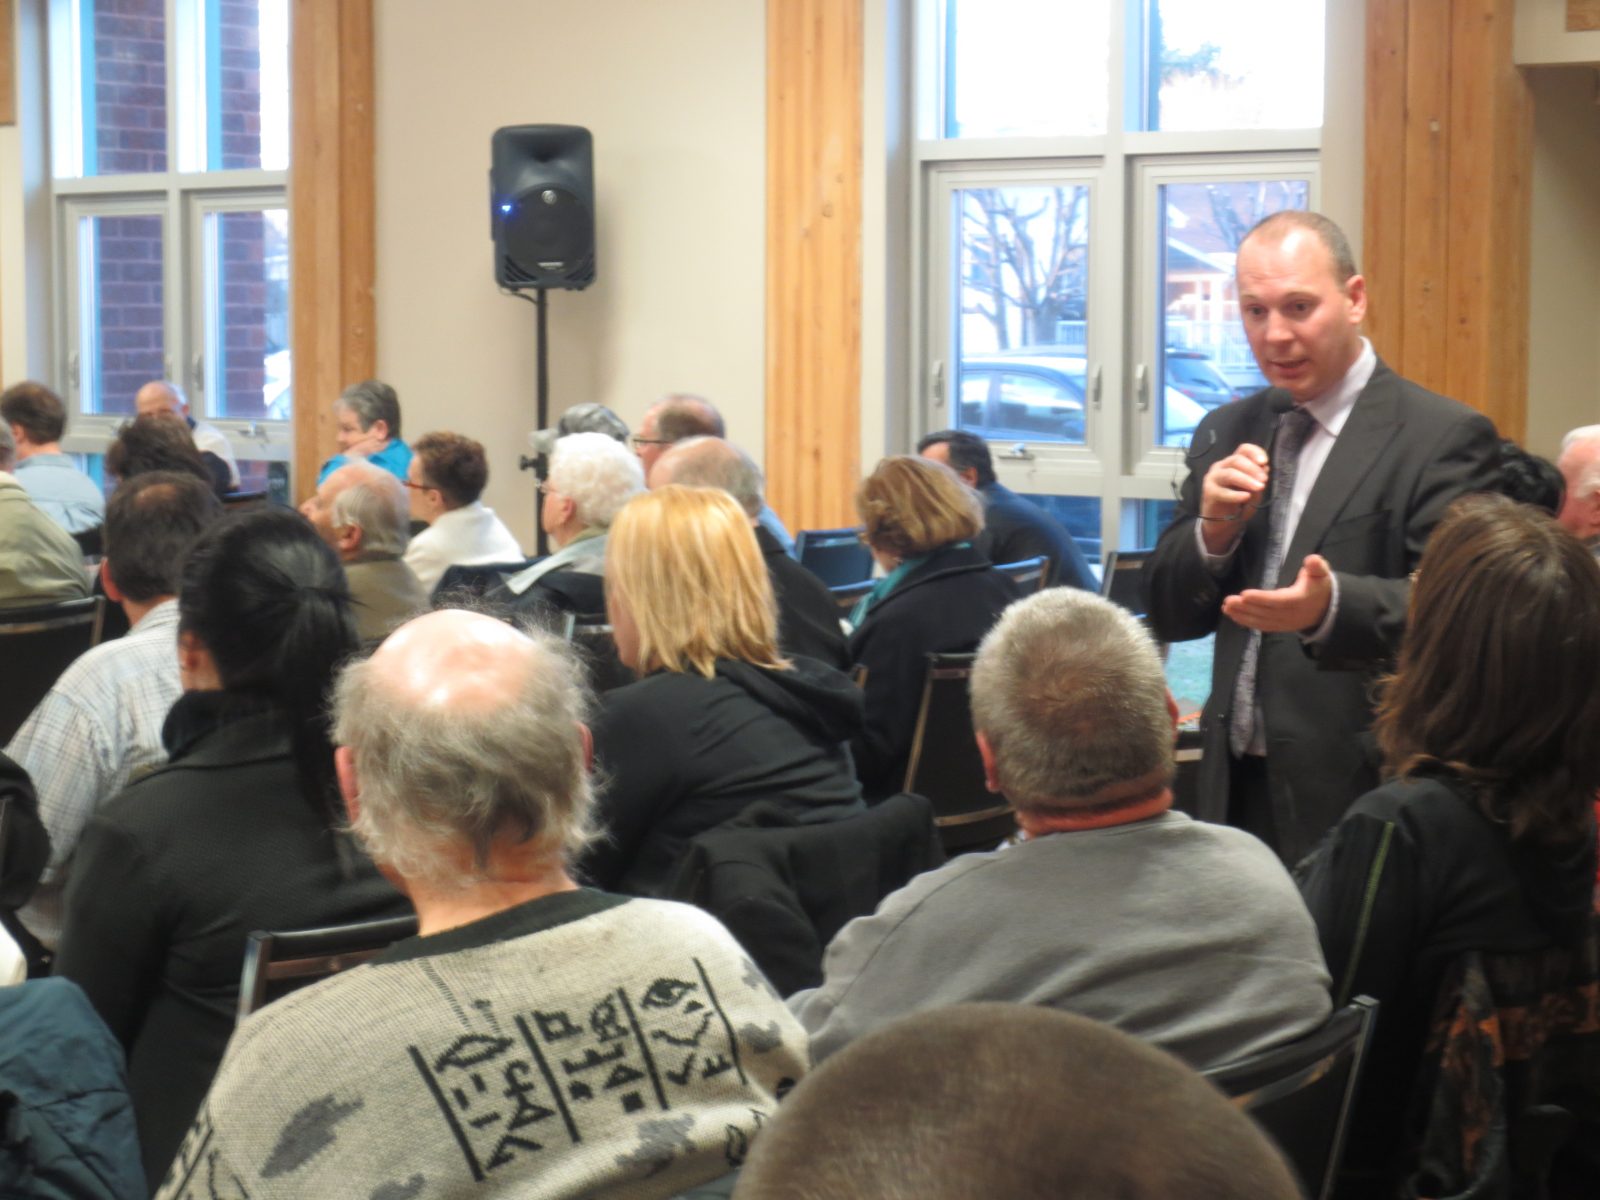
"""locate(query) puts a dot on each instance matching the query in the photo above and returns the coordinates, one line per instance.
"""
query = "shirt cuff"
(1217, 564)
(1320, 634)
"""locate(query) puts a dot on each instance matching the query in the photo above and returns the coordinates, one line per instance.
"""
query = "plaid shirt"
(98, 726)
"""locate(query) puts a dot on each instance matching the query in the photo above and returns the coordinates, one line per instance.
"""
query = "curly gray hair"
(597, 473)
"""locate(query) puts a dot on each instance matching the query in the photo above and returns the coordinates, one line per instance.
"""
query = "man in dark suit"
(1304, 513)
(808, 617)
(1013, 528)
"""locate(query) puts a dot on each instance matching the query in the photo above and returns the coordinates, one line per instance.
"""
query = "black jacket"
(808, 618)
(679, 754)
(1412, 878)
(170, 879)
(1015, 529)
(945, 606)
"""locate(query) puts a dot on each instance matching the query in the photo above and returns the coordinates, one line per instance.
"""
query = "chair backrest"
(468, 582)
(254, 499)
(848, 595)
(1300, 1093)
(1122, 580)
(276, 964)
(834, 556)
(944, 764)
(1029, 574)
(91, 542)
(37, 643)
(596, 645)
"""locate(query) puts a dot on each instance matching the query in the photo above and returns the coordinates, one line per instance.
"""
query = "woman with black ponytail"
(241, 830)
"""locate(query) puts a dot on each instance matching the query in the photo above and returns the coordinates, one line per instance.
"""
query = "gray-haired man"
(1187, 935)
(361, 511)
(536, 1038)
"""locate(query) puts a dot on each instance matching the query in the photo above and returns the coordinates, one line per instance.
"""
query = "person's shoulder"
(1418, 400)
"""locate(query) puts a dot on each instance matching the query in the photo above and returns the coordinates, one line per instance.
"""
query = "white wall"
(1564, 283)
(675, 96)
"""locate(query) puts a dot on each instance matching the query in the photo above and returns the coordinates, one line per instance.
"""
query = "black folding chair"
(464, 583)
(276, 964)
(834, 556)
(848, 595)
(945, 766)
(1301, 1093)
(1122, 580)
(596, 646)
(37, 643)
(1029, 574)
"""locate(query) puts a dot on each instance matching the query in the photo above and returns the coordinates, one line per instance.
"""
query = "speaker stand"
(539, 464)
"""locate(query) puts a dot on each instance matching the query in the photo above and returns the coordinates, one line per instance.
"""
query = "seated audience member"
(39, 561)
(939, 595)
(361, 511)
(591, 477)
(678, 416)
(1013, 528)
(1529, 479)
(239, 831)
(153, 444)
(991, 1101)
(160, 398)
(1579, 464)
(808, 617)
(1483, 838)
(448, 473)
(101, 722)
(464, 766)
(368, 414)
(718, 719)
(37, 419)
(1116, 907)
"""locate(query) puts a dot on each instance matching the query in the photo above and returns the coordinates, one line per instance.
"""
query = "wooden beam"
(1583, 15)
(331, 217)
(1449, 157)
(814, 173)
(8, 63)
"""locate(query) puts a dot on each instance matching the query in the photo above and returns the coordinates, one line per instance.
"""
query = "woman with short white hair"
(592, 475)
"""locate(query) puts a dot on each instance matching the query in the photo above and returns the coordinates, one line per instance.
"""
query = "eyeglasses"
(419, 487)
(636, 441)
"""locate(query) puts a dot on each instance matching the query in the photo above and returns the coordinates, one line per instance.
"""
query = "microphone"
(1281, 403)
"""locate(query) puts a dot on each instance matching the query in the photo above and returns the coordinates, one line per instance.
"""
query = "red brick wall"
(128, 308)
(130, 86)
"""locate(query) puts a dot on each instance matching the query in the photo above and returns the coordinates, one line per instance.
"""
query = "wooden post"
(1449, 154)
(813, 354)
(331, 218)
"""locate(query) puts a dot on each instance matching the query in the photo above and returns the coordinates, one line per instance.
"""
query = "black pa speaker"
(541, 194)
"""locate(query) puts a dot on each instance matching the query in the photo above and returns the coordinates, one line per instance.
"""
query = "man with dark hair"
(1013, 528)
(446, 477)
(808, 617)
(368, 414)
(1303, 516)
(162, 398)
(156, 444)
(39, 561)
(102, 720)
(678, 416)
(66, 495)
(983, 1101)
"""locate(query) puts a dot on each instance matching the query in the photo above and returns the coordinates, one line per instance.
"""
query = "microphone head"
(1280, 403)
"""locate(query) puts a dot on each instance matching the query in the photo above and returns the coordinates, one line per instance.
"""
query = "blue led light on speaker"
(505, 208)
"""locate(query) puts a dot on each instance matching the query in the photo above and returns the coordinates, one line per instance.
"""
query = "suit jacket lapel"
(1372, 425)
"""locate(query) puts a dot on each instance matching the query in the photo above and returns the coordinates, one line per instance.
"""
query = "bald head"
(672, 419)
(1580, 468)
(361, 511)
(462, 745)
(715, 463)
(159, 398)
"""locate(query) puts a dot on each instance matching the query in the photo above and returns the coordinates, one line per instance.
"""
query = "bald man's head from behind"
(464, 760)
(980, 1101)
(715, 463)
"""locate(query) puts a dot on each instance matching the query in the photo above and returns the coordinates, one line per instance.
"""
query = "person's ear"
(379, 430)
(344, 766)
(349, 538)
(991, 777)
(1355, 290)
(197, 670)
(1173, 713)
(108, 581)
(588, 747)
(969, 476)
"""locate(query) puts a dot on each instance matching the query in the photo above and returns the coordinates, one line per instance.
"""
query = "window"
(1086, 169)
(169, 148)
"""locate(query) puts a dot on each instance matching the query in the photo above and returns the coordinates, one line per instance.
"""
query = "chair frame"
(38, 618)
(805, 537)
(1236, 1078)
(943, 667)
(848, 595)
(1025, 571)
(312, 953)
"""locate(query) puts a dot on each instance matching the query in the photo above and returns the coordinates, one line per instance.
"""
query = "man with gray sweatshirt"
(1188, 935)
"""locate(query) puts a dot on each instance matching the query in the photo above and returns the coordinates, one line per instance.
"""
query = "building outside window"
(169, 150)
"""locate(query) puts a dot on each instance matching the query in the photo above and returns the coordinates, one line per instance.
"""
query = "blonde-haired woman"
(938, 594)
(718, 718)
